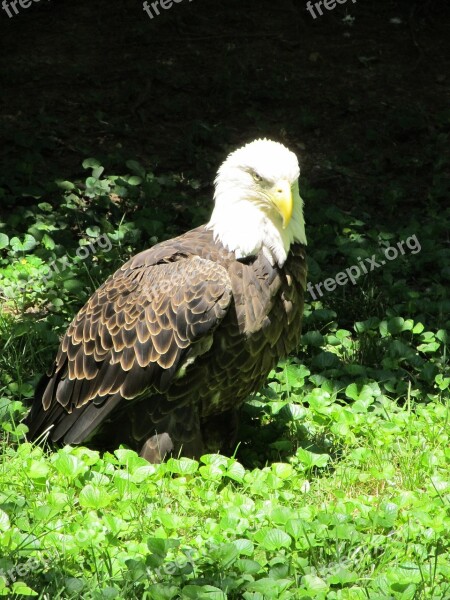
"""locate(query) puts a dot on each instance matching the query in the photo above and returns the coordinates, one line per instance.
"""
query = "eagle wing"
(132, 336)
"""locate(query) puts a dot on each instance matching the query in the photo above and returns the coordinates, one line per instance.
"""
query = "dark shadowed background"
(351, 91)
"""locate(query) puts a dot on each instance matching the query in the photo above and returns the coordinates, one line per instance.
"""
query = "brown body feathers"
(169, 346)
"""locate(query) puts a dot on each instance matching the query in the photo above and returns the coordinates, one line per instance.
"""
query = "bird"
(164, 353)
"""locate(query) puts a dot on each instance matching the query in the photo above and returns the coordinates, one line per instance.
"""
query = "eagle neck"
(253, 231)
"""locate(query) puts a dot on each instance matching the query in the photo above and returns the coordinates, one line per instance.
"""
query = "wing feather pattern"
(129, 338)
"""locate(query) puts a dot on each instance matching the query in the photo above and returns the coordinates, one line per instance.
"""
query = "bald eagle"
(169, 347)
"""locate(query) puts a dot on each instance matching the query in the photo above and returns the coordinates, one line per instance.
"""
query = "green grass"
(340, 488)
(369, 522)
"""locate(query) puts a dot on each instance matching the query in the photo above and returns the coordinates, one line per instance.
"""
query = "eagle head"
(257, 201)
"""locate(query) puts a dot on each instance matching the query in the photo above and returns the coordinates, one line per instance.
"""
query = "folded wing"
(130, 338)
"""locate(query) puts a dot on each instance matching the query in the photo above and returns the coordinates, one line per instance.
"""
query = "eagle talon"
(157, 448)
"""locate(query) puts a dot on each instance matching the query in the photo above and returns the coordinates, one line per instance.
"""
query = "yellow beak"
(283, 201)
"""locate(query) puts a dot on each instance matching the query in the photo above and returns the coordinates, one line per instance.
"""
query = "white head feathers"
(257, 201)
